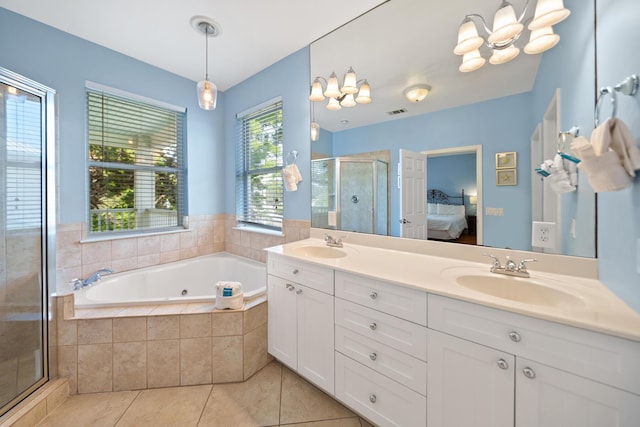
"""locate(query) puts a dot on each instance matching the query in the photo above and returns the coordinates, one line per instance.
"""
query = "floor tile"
(254, 402)
(302, 402)
(341, 422)
(175, 406)
(96, 410)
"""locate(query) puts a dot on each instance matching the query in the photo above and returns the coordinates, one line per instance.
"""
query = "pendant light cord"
(206, 51)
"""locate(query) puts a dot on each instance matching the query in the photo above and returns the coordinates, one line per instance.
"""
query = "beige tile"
(224, 323)
(127, 264)
(255, 351)
(163, 327)
(254, 317)
(195, 325)
(67, 332)
(227, 359)
(148, 260)
(95, 410)
(68, 365)
(365, 423)
(170, 242)
(97, 331)
(341, 422)
(33, 416)
(129, 329)
(188, 239)
(169, 256)
(163, 363)
(302, 402)
(148, 245)
(57, 396)
(186, 253)
(137, 310)
(129, 366)
(251, 403)
(195, 361)
(168, 309)
(68, 253)
(124, 248)
(95, 371)
(96, 253)
(180, 406)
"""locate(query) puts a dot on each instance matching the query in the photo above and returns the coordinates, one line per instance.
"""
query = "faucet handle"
(495, 262)
(522, 267)
(510, 264)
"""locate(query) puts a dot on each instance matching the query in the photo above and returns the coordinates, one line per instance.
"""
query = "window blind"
(136, 170)
(259, 190)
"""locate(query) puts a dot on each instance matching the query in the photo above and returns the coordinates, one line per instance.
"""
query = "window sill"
(259, 230)
(91, 239)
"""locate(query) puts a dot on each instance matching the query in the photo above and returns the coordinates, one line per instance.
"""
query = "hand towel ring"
(604, 91)
(291, 157)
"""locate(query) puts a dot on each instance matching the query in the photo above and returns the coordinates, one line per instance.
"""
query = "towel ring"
(291, 155)
(604, 91)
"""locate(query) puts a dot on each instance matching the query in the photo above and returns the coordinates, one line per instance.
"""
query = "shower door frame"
(48, 217)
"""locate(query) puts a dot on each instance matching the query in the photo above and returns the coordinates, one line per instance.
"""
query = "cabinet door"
(553, 398)
(282, 336)
(468, 384)
(315, 337)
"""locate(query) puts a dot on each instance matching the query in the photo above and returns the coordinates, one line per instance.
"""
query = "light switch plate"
(494, 211)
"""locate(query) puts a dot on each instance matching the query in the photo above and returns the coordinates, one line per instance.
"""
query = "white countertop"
(599, 309)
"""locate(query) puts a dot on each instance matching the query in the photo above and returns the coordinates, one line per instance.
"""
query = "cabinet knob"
(515, 337)
(529, 373)
(373, 326)
(290, 287)
(299, 291)
(295, 271)
(372, 398)
(373, 356)
(502, 364)
(373, 295)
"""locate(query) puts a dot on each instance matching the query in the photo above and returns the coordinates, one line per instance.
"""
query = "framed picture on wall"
(506, 177)
(506, 160)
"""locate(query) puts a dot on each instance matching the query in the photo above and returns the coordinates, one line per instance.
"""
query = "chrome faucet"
(333, 242)
(510, 268)
(95, 277)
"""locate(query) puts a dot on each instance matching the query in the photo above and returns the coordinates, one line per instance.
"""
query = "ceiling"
(255, 34)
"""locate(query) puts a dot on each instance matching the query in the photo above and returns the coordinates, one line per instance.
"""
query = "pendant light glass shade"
(350, 82)
(316, 91)
(315, 131)
(502, 56)
(548, 12)
(505, 25)
(348, 101)
(333, 104)
(541, 40)
(468, 38)
(207, 95)
(471, 61)
(364, 95)
(333, 91)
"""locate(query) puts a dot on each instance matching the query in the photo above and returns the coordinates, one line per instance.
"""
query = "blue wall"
(64, 62)
(451, 174)
(619, 212)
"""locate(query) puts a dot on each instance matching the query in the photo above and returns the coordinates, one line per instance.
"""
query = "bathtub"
(191, 280)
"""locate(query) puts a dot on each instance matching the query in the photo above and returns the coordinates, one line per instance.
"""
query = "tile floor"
(275, 396)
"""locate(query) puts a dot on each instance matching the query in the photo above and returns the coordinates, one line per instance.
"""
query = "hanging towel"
(558, 177)
(614, 135)
(291, 176)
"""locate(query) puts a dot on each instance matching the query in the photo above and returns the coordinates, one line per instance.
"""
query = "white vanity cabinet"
(553, 375)
(300, 324)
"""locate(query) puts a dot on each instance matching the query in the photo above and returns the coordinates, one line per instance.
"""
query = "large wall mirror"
(476, 137)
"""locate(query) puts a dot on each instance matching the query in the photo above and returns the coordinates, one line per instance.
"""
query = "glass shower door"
(23, 296)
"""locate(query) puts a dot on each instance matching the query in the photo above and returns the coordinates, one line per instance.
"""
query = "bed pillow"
(451, 210)
(432, 208)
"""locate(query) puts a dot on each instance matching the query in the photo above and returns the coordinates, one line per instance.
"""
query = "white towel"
(605, 173)
(236, 287)
(291, 176)
(558, 177)
(614, 135)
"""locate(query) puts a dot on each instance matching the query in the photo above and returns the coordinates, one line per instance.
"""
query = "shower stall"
(27, 230)
(350, 194)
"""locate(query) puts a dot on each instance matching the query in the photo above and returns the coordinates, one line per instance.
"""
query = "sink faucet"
(95, 277)
(333, 242)
(510, 268)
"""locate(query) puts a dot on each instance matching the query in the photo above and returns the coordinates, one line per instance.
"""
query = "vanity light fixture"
(506, 31)
(352, 92)
(417, 93)
(207, 90)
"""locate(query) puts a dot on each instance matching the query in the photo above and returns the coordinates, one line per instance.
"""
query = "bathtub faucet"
(95, 277)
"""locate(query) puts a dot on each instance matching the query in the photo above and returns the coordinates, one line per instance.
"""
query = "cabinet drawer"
(396, 365)
(407, 303)
(604, 358)
(313, 276)
(392, 331)
(378, 398)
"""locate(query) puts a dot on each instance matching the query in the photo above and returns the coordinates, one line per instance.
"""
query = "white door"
(553, 398)
(282, 323)
(468, 384)
(315, 337)
(413, 194)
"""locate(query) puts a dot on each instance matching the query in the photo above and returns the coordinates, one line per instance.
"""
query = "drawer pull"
(290, 287)
(373, 326)
(502, 364)
(373, 295)
(299, 291)
(372, 398)
(529, 373)
(515, 337)
(373, 356)
(295, 271)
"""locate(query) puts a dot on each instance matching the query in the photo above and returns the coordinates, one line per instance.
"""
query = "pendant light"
(207, 90)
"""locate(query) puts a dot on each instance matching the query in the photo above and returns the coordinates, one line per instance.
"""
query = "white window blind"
(259, 190)
(137, 179)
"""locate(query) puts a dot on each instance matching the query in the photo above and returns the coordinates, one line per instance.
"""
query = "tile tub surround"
(145, 347)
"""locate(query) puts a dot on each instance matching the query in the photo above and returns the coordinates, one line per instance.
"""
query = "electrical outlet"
(543, 234)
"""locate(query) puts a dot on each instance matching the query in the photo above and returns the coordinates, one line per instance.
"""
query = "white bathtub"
(191, 280)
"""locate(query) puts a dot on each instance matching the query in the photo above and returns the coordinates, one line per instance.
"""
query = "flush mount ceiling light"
(352, 92)
(207, 91)
(417, 93)
(506, 31)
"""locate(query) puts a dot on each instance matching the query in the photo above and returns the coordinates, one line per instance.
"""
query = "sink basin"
(319, 251)
(524, 290)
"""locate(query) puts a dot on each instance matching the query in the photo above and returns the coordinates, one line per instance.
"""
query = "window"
(259, 198)
(136, 163)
